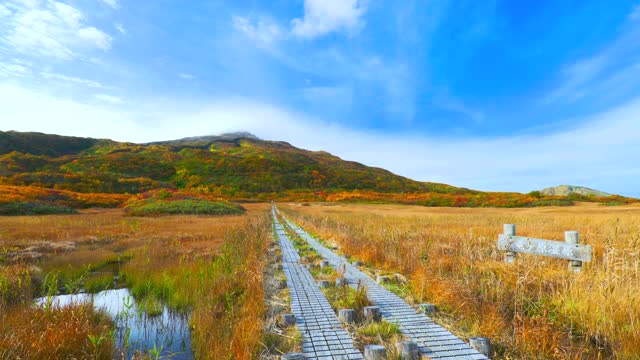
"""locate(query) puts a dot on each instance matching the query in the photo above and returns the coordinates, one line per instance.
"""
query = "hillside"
(233, 164)
(566, 190)
(230, 166)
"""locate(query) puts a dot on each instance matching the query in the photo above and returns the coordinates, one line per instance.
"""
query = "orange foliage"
(9, 193)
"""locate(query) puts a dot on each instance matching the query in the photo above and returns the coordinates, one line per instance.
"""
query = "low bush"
(33, 208)
(191, 207)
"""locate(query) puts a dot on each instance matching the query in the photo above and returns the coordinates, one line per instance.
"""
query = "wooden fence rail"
(570, 249)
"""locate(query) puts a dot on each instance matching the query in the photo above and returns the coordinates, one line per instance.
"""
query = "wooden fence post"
(573, 237)
(510, 256)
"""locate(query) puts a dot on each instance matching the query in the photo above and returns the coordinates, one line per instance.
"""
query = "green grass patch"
(99, 282)
(346, 297)
(183, 207)
(33, 208)
(401, 290)
(552, 202)
(383, 329)
(613, 203)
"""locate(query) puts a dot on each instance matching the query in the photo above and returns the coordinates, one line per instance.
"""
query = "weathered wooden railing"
(569, 249)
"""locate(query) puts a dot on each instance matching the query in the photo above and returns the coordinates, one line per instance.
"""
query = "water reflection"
(135, 330)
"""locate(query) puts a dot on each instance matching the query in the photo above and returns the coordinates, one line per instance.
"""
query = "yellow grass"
(210, 267)
(535, 309)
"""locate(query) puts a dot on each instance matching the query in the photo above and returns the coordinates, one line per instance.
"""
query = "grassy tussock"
(535, 309)
(70, 332)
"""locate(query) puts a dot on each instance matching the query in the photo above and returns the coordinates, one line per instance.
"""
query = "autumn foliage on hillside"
(224, 168)
(10, 194)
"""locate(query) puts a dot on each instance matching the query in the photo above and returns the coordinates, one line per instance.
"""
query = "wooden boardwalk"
(323, 337)
(433, 340)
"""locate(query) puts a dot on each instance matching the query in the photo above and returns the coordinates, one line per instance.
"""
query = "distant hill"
(566, 190)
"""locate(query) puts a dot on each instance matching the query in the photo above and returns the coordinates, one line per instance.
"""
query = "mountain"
(201, 141)
(566, 190)
(234, 165)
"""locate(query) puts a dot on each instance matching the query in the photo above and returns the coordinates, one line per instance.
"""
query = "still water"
(135, 330)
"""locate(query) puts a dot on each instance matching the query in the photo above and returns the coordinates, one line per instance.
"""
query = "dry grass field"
(209, 267)
(533, 310)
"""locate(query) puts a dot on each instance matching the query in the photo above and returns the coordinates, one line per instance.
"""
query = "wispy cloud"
(325, 16)
(49, 29)
(108, 98)
(263, 31)
(585, 77)
(13, 70)
(115, 4)
(4, 11)
(120, 28)
(71, 80)
(186, 76)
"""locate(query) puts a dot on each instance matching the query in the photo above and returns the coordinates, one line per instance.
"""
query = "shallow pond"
(135, 330)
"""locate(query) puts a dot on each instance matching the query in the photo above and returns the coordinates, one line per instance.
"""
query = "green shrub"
(177, 207)
(33, 208)
(552, 202)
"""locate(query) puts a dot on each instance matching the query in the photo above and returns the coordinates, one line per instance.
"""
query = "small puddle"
(168, 330)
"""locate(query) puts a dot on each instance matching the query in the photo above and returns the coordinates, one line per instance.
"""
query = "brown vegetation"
(209, 267)
(535, 309)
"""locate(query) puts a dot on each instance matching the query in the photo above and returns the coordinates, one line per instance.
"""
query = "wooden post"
(288, 319)
(408, 350)
(428, 308)
(572, 237)
(375, 352)
(510, 256)
(347, 315)
(372, 313)
(483, 345)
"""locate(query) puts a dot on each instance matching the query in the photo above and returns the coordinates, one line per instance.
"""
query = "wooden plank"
(556, 249)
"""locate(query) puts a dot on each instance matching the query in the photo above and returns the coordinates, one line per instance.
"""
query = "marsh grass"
(207, 267)
(535, 309)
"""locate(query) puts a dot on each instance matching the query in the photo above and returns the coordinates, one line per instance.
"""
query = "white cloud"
(602, 153)
(120, 28)
(324, 16)
(108, 98)
(13, 70)
(50, 29)
(112, 3)
(96, 37)
(186, 76)
(71, 80)
(4, 11)
(264, 32)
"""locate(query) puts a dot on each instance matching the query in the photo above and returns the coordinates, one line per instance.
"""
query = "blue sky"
(492, 95)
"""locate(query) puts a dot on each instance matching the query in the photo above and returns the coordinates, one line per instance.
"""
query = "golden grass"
(210, 267)
(535, 309)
